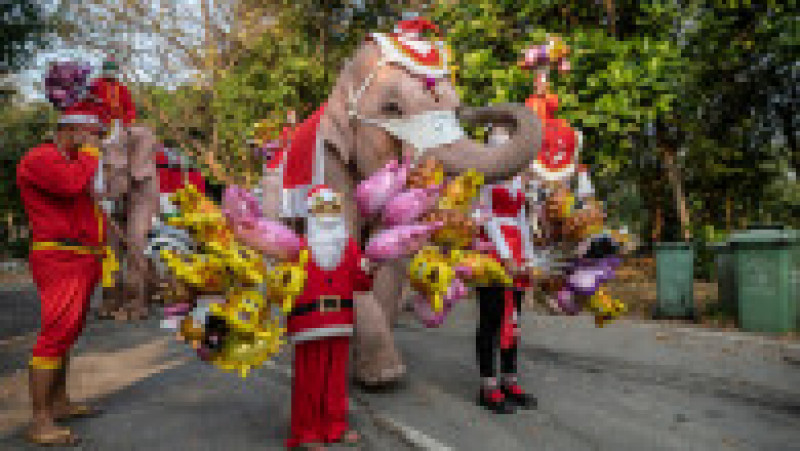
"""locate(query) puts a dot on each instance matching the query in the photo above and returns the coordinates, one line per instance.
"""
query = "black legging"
(491, 303)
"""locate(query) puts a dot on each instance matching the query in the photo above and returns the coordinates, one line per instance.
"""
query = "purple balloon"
(66, 83)
(584, 281)
(566, 303)
(180, 309)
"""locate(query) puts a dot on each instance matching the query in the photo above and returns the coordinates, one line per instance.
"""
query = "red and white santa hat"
(85, 113)
(321, 193)
(414, 28)
(407, 47)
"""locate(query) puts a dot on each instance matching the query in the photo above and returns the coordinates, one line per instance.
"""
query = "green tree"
(21, 128)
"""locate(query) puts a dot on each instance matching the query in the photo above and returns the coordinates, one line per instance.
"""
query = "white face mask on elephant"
(423, 131)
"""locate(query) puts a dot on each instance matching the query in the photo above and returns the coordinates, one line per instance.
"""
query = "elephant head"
(375, 107)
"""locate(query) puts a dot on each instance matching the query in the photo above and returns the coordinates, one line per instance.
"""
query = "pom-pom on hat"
(110, 67)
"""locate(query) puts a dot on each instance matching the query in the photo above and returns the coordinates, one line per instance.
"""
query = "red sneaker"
(517, 396)
(495, 401)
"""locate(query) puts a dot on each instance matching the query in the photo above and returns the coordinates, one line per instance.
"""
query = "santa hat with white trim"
(407, 47)
(322, 194)
(85, 113)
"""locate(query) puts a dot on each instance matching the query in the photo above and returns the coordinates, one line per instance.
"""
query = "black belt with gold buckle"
(325, 304)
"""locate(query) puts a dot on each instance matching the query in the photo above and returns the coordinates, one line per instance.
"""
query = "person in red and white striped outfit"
(506, 228)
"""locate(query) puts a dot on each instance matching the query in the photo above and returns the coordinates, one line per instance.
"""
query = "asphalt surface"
(625, 387)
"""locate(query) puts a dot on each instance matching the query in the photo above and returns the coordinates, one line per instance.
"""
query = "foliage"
(22, 27)
(21, 128)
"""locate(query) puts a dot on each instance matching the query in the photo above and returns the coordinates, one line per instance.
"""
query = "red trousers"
(65, 292)
(319, 391)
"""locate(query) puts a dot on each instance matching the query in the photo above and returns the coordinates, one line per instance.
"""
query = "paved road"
(627, 387)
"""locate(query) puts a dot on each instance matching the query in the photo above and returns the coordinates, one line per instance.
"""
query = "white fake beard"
(327, 238)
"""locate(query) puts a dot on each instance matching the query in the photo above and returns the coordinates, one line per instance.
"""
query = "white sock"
(489, 383)
(509, 379)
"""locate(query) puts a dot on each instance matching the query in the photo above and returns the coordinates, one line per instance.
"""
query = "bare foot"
(350, 437)
(50, 434)
(74, 410)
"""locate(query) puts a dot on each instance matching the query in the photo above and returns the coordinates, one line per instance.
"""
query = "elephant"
(128, 186)
(354, 146)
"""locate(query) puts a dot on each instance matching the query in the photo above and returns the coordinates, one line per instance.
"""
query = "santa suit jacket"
(507, 227)
(116, 100)
(56, 193)
(347, 278)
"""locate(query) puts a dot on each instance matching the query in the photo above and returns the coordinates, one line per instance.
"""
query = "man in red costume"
(321, 325)
(117, 105)
(68, 234)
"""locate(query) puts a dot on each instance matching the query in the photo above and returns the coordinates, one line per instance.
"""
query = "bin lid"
(723, 246)
(673, 245)
(766, 236)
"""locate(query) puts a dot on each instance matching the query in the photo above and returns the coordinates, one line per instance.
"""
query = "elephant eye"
(392, 108)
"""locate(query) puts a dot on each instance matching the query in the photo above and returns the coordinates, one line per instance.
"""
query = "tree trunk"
(668, 155)
(611, 16)
(787, 116)
(657, 223)
(728, 213)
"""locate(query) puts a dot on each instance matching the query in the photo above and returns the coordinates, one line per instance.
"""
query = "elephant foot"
(384, 378)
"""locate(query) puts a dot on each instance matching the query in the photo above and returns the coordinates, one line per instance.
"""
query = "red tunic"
(172, 176)
(116, 100)
(56, 193)
(347, 278)
(507, 228)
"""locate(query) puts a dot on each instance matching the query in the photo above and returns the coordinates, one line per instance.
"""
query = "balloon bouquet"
(582, 253)
(67, 83)
(428, 220)
(240, 331)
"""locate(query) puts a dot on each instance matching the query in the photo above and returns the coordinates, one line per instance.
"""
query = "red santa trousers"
(65, 292)
(319, 391)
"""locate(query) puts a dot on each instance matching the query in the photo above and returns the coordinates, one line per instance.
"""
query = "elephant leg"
(377, 361)
(143, 207)
(113, 296)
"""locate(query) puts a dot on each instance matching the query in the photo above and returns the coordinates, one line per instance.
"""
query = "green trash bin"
(726, 278)
(767, 275)
(675, 280)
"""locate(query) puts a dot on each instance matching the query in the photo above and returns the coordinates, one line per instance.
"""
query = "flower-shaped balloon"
(431, 274)
(66, 83)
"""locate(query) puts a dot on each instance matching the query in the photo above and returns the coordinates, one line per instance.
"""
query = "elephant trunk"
(500, 162)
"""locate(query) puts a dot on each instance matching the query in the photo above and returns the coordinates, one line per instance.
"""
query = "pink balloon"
(270, 238)
(408, 206)
(253, 230)
(240, 205)
(373, 193)
(400, 241)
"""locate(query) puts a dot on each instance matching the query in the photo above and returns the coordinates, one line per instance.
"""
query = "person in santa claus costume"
(68, 234)
(321, 324)
(506, 229)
